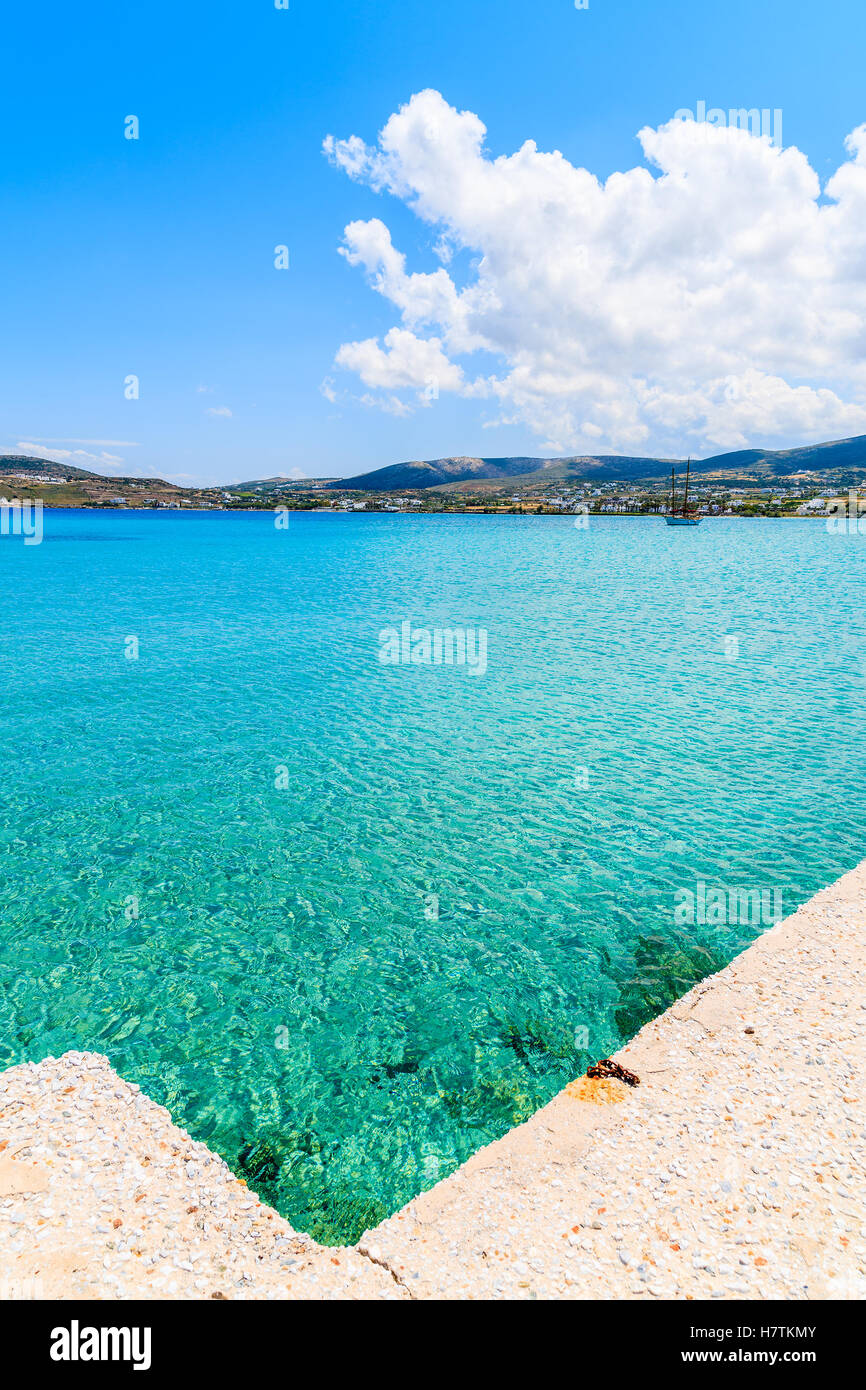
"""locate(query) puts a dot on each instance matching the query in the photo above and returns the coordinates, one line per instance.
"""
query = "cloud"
(75, 458)
(390, 405)
(712, 300)
(406, 361)
(109, 443)
(221, 410)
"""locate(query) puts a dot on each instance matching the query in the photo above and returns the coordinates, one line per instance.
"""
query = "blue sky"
(155, 257)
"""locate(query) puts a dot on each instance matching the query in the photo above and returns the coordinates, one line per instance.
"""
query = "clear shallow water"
(411, 1039)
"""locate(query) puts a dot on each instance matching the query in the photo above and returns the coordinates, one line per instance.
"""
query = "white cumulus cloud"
(406, 361)
(102, 462)
(713, 300)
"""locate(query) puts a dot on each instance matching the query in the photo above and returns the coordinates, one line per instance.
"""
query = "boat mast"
(673, 495)
(686, 496)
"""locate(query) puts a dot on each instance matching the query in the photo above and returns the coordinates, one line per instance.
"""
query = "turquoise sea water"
(443, 894)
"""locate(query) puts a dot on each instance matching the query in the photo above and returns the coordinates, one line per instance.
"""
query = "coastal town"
(605, 500)
(810, 494)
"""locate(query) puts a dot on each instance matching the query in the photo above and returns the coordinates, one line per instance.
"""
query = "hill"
(63, 485)
(523, 471)
(22, 465)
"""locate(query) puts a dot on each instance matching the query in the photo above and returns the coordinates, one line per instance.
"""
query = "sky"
(501, 239)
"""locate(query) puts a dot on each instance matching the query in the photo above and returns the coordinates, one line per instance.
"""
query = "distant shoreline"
(417, 512)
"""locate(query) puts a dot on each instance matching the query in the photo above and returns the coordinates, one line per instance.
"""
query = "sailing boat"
(683, 517)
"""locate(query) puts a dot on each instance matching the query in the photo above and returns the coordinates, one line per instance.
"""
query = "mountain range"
(524, 471)
(843, 459)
